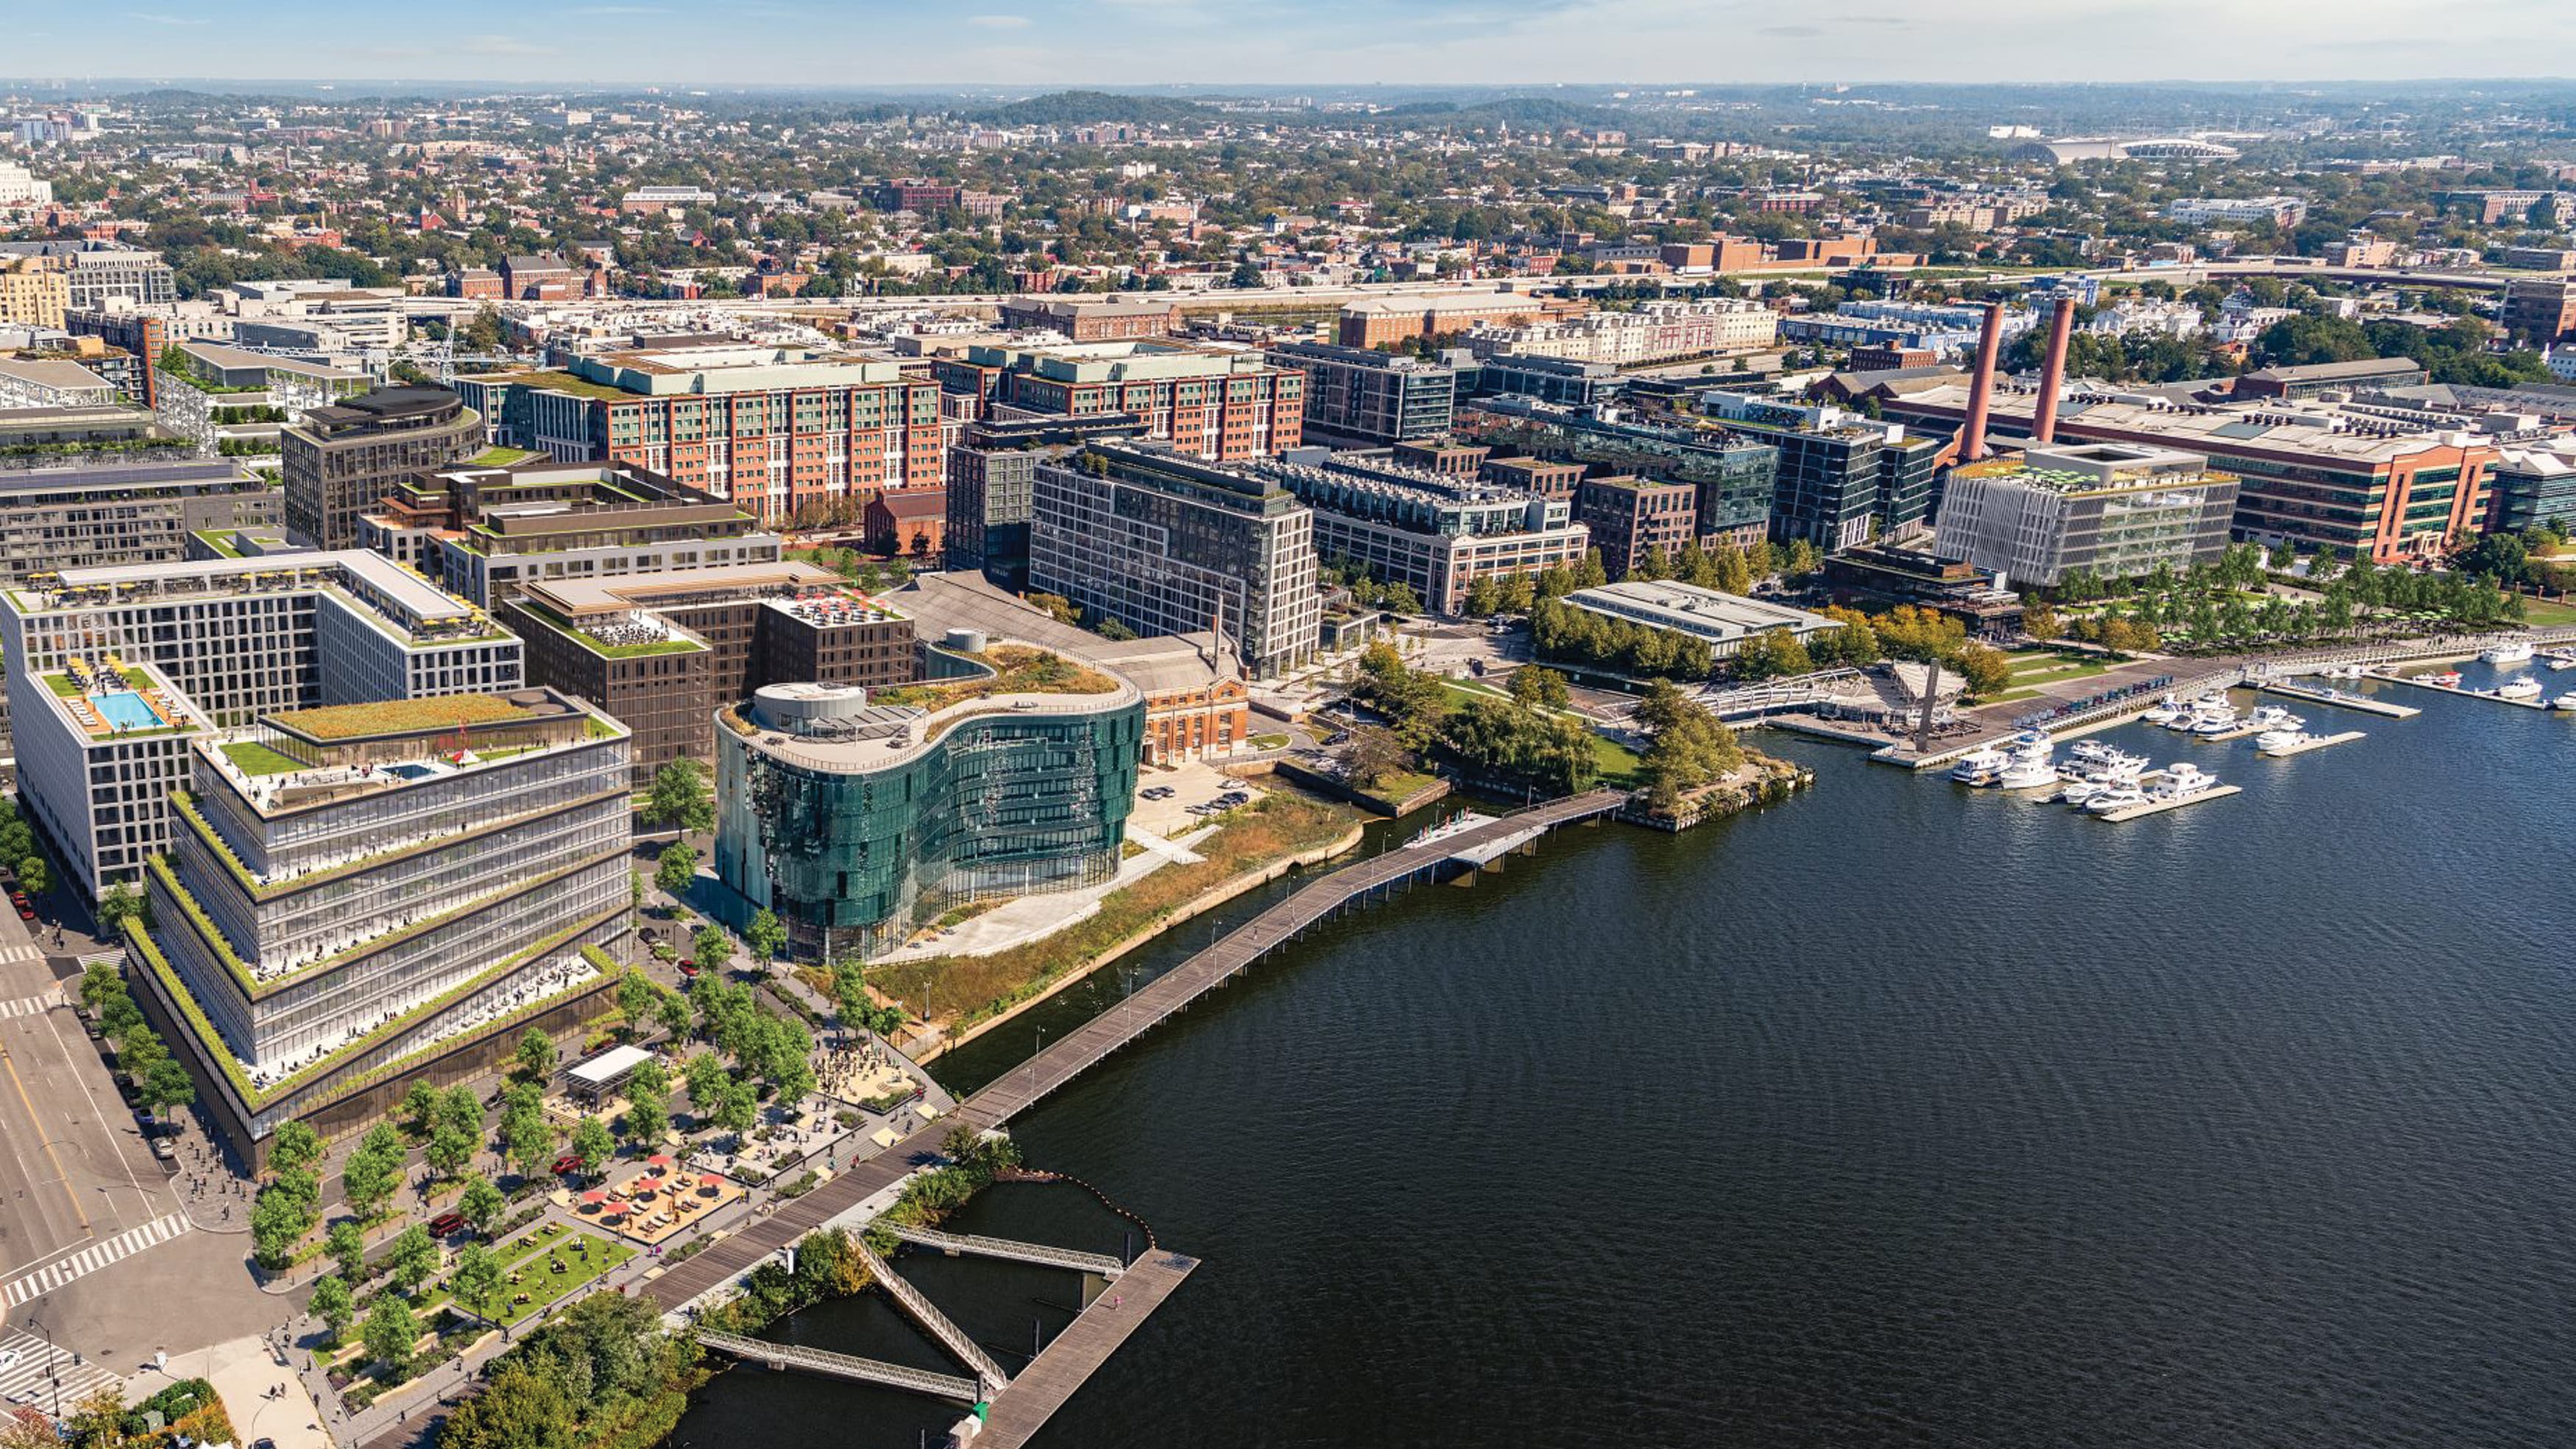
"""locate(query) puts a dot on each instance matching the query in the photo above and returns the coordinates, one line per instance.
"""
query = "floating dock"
(2486, 694)
(2343, 699)
(2158, 807)
(2316, 743)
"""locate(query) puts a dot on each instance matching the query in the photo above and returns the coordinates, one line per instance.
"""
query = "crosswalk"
(82, 1262)
(34, 1373)
(21, 951)
(36, 1005)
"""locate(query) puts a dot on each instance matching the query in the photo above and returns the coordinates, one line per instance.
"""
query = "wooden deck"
(1064, 1366)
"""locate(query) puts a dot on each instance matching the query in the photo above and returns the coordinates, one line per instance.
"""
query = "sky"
(1053, 44)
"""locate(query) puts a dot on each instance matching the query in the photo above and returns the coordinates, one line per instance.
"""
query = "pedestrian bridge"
(843, 1366)
(969, 1244)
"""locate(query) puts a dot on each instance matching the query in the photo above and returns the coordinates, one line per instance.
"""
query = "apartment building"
(2280, 211)
(359, 896)
(228, 639)
(774, 430)
(1093, 319)
(1357, 397)
(483, 533)
(1652, 332)
(1169, 544)
(1380, 321)
(992, 486)
(1840, 476)
(97, 272)
(663, 651)
(33, 293)
(1213, 404)
(1629, 518)
(340, 460)
(1435, 533)
(2111, 510)
(1731, 478)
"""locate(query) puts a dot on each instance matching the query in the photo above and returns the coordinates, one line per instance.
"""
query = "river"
(1897, 1114)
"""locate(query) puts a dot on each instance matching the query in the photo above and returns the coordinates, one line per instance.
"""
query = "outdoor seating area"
(661, 1200)
(105, 699)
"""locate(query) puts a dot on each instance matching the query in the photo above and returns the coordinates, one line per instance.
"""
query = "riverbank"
(1264, 841)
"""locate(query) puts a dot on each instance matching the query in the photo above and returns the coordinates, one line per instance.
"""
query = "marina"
(2155, 806)
(2305, 743)
(2339, 699)
(2448, 682)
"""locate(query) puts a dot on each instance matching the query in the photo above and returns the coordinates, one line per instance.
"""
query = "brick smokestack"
(1972, 433)
(2052, 373)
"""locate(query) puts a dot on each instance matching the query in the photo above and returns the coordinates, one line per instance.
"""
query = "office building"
(2109, 510)
(2319, 378)
(33, 293)
(1211, 404)
(363, 895)
(340, 460)
(1548, 380)
(1876, 577)
(1841, 477)
(97, 272)
(1629, 518)
(482, 533)
(781, 432)
(1724, 620)
(2540, 309)
(663, 651)
(2534, 485)
(1167, 544)
(1093, 319)
(992, 486)
(1434, 533)
(859, 816)
(227, 400)
(1359, 398)
(230, 639)
(91, 510)
(1653, 332)
(51, 382)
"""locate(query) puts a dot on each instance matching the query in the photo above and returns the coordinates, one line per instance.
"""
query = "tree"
(165, 1085)
(412, 1259)
(481, 1204)
(1686, 745)
(294, 1147)
(101, 983)
(475, 1278)
(420, 1104)
(450, 1149)
(347, 1247)
(1987, 671)
(1537, 688)
(2040, 622)
(737, 1107)
(766, 936)
(674, 868)
(1771, 654)
(372, 1172)
(462, 1108)
(390, 1334)
(528, 1138)
(332, 1304)
(679, 796)
(592, 1144)
(518, 1409)
(117, 907)
(34, 877)
(712, 947)
(637, 996)
(675, 1015)
(648, 1111)
(535, 1057)
(277, 1223)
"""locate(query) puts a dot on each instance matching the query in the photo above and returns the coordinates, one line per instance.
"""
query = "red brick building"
(911, 521)
(1632, 517)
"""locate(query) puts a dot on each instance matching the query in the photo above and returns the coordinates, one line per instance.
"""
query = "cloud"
(501, 45)
(998, 22)
(167, 19)
(1795, 32)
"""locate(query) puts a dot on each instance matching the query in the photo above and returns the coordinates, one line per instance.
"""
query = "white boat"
(2092, 752)
(1980, 767)
(2028, 772)
(2271, 717)
(2080, 790)
(2521, 686)
(2117, 798)
(2165, 711)
(2561, 660)
(2281, 742)
(2447, 678)
(2218, 721)
(2346, 671)
(2180, 781)
(2514, 653)
(2564, 701)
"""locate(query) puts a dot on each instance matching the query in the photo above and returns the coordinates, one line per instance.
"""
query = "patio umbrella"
(710, 1180)
(594, 1195)
(658, 1159)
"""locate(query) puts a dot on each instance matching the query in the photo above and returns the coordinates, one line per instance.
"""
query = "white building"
(19, 186)
(1654, 332)
(2281, 211)
(1724, 620)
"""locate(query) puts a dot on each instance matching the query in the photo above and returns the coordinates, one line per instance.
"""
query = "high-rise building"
(363, 895)
(97, 272)
(778, 431)
(483, 533)
(992, 486)
(229, 639)
(1841, 477)
(2111, 510)
(859, 816)
(1168, 544)
(1629, 518)
(664, 651)
(1211, 404)
(1358, 397)
(342, 459)
(33, 293)
(1434, 533)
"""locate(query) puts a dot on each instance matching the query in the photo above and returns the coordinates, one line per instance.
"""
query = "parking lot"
(1178, 800)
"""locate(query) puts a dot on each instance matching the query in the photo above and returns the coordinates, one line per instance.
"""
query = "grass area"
(966, 989)
(1617, 763)
(2029, 667)
(2547, 613)
(1270, 742)
(255, 759)
(399, 716)
(497, 456)
(535, 1255)
(1017, 669)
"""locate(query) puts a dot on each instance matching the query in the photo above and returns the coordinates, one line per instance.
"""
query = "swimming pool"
(410, 771)
(125, 710)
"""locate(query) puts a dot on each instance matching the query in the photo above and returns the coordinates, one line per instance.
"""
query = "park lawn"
(545, 1287)
(2035, 668)
(2547, 613)
(962, 990)
(1617, 763)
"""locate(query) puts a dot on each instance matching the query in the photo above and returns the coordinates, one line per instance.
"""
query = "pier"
(1069, 1361)
(2158, 807)
(918, 1307)
(2318, 742)
(970, 1245)
(2340, 699)
(823, 1361)
(2485, 694)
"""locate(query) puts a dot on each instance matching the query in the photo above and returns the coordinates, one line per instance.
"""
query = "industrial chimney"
(1972, 433)
(2052, 373)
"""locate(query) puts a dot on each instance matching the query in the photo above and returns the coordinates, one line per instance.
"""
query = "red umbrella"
(710, 1180)
(658, 1159)
(594, 1195)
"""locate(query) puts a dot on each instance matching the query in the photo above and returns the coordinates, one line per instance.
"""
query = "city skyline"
(1052, 43)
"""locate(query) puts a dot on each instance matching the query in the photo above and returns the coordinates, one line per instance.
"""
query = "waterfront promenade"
(1085, 1046)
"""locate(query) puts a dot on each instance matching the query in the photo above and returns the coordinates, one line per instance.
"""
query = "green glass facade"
(853, 859)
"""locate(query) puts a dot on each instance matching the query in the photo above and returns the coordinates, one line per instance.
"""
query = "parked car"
(162, 1149)
(447, 1225)
(569, 1162)
(26, 909)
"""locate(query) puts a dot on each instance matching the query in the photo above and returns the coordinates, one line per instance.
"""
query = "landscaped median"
(1251, 845)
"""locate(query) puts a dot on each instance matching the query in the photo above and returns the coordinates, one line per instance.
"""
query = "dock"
(2317, 743)
(782, 1356)
(1065, 1364)
(2486, 694)
(2342, 699)
(971, 1245)
(2158, 807)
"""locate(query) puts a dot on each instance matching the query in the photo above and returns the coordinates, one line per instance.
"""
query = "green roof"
(499, 457)
(340, 722)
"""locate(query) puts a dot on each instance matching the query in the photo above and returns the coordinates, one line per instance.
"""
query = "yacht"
(2281, 742)
(1980, 767)
(2271, 717)
(2181, 780)
(2564, 701)
(2347, 671)
(2165, 711)
(2219, 721)
(2027, 771)
(2089, 752)
(2521, 686)
(2118, 797)
(2447, 678)
(2514, 653)
(2561, 659)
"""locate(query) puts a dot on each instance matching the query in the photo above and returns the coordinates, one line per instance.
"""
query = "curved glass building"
(859, 816)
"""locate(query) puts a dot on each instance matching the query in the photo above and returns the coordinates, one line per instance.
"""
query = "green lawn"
(2547, 613)
(256, 759)
(1270, 742)
(534, 1254)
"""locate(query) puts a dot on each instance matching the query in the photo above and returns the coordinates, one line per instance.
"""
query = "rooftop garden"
(402, 716)
(499, 457)
(1017, 669)
(255, 759)
(577, 386)
(595, 645)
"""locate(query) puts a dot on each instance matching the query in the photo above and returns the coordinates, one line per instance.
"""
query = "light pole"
(53, 1362)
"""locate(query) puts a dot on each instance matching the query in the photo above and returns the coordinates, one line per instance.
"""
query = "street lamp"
(53, 1361)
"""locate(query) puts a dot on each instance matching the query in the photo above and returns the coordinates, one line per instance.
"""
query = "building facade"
(1436, 534)
(2113, 511)
(1358, 397)
(341, 460)
(1219, 406)
(992, 487)
(1840, 477)
(1629, 518)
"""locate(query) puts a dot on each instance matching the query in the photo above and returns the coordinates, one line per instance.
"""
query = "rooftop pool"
(125, 710)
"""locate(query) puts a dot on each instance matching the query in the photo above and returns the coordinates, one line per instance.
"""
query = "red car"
(446, 1225)
(26, 909)
(569, 1162)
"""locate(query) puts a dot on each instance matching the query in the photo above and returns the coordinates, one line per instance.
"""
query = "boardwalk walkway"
(1080, 1049)
(918, 1307)
(842, 1366)
(1086, 1343)
(1010, 1250)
